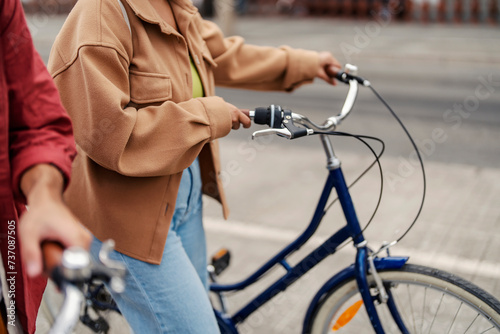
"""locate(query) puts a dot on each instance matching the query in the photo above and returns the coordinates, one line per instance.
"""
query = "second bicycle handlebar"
(71, 269)
(283, 122)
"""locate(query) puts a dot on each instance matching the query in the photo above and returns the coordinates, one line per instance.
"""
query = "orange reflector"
(220, 253)
(347, 315)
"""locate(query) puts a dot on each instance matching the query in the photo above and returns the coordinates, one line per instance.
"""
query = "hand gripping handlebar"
(284, 123)
(71, 269)
(281, 122)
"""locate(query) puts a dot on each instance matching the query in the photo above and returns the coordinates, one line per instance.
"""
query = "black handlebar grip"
(345, 77)
(261, 115)
(272, 116)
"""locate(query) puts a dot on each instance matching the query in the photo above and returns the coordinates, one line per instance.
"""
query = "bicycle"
(81, 282)
(397, 297)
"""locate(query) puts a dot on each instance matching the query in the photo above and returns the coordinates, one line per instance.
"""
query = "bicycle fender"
(391, 262)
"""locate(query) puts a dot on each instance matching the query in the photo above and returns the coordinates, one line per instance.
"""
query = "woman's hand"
(47, 217)
(239, 116)
(329, 66)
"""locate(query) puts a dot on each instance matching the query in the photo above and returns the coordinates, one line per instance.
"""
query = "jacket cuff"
(30, 158)
(218, 115)
(303, 67)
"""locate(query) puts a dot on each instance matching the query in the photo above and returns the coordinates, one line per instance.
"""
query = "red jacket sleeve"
(40, 130)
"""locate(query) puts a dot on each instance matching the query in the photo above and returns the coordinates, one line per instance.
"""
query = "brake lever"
(117, 282)
(107, 247)
(280, 132)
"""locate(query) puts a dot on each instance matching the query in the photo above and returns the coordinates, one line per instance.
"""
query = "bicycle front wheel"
(428, 301)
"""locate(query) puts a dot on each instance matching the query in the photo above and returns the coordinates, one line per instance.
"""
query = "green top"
(197, 86)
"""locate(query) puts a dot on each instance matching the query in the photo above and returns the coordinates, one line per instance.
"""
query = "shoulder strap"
(125, 15)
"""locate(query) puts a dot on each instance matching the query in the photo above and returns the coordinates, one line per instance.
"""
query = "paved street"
(443, 81)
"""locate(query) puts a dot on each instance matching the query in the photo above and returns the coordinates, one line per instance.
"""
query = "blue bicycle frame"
(359, 269)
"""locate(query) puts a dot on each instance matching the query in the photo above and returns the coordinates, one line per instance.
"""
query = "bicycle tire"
(429, 301)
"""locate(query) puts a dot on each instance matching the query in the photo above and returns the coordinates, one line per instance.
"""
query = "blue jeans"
(171, 297)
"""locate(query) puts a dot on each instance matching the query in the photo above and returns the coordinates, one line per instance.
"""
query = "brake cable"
(377, 161)
(420, 160)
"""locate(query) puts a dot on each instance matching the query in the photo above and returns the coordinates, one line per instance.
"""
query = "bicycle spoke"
(385, 318)
(423, 311)
(472, 323)
(412, 312)
(411, 308)
(487, 330)
(435, 313)
(454, 318)
(400, 302)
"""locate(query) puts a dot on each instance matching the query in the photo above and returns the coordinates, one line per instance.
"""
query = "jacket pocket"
(149, 87)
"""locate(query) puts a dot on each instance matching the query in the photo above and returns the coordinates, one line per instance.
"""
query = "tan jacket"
(137, 126)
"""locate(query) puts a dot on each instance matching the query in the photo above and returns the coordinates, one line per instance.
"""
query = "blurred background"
(436, 63)
(406, 10)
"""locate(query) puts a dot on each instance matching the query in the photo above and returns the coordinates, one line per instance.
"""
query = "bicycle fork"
(364, 264)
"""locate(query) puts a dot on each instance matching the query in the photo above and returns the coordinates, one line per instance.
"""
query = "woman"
(139, 87)
(36, 150)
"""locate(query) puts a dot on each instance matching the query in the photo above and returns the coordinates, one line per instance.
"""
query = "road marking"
(471, 268)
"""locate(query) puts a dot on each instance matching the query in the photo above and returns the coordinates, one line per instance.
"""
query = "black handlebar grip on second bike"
(272, 116)
(344, 76)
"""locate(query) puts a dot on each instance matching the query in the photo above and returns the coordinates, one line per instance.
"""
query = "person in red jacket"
(36, 152)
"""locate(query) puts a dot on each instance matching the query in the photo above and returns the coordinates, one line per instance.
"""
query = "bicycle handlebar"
(71, 269)
(282, 122)
(348, 74)
(52, 253)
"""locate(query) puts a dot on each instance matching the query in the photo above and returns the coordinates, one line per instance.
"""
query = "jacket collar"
(145, 11)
